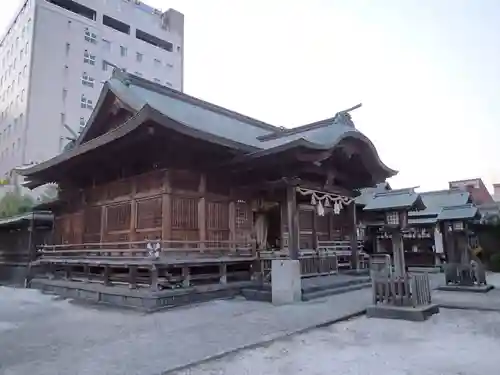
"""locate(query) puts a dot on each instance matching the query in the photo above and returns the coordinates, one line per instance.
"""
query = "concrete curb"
(268, 341)
(452, 306)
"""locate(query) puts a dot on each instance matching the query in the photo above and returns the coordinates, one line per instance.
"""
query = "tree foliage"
(15, 203)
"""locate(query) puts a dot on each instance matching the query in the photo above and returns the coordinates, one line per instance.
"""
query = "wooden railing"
(327, 260)
(342, 249)
(312, 263)
(148, 250)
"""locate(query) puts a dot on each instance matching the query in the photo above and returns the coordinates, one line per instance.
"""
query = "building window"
(82, 121)
(105, 65)
(68, 46)
(85, 103)
(22, 95)
(88, 58)
(21, 53)
(87, 80)
(63, 118)
(25, 70)
(90, 36)
(123, 51)
(64, 94)
(138, 57)
(106, 44)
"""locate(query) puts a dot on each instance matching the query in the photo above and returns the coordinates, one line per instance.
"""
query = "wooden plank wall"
(168, 205)
(330, 227)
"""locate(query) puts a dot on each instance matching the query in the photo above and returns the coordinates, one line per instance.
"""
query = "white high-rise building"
(57, 53)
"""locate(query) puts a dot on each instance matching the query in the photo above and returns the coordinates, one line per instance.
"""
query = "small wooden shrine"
(19, 237)
(423, 240)
(463, 270)
(398, 294)
(163, 190)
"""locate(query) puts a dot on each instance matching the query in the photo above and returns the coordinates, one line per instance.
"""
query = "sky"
(427, 73)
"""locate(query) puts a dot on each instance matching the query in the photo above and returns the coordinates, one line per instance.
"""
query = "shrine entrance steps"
(315, 287)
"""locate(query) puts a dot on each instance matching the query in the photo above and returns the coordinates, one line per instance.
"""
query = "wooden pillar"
(315, 220)
(293, 222)
(202, 208)
(223, 273)
(106, 275)
(103, 223)
(154, 278)
(283, 226)
(232, 222)
(463, 248)
(133, 277)
(353, 238)
(398, 253)
(186, 277)
(133, 212)
(133, 221)
(166, 209)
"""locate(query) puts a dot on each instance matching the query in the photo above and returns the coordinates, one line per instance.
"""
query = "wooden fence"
(408, 290)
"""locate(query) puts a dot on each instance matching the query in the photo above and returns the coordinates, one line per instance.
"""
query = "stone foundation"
(139, 299)
(415, 314)
(467, 288)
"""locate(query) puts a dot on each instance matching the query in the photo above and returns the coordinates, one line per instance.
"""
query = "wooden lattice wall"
(168, 205)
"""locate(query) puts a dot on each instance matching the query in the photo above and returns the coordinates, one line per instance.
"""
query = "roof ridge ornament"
(344, 117)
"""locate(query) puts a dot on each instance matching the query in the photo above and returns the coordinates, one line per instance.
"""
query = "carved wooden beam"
(314, 156)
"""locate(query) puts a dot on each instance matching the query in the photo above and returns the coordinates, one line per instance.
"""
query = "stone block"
(286, 283)
(415, 314)
(467, 288)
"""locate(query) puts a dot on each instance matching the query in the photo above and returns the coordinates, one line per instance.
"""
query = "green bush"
(495, 262)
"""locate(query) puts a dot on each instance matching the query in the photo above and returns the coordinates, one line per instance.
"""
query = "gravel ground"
(455, 342)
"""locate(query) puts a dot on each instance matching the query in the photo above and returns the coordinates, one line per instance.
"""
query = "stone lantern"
(398, 294)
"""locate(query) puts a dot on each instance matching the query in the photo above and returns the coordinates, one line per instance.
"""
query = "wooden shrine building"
(165, 189)
(424, 242)
(20, 235)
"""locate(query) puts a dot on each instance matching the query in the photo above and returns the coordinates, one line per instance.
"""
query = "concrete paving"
(454, 342)
(43, 336)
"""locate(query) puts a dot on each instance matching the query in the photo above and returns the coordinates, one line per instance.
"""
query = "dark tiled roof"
(210, 122)
(407, 199)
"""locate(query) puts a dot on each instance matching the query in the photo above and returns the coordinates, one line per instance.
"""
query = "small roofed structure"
(407, 199)
(19, 237)
(397, 294)
(463, 270)
(200, 181)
